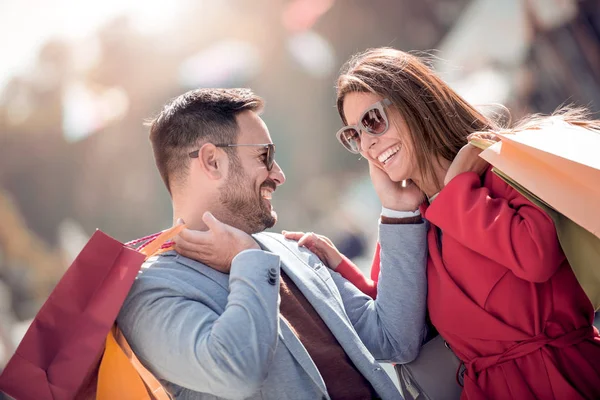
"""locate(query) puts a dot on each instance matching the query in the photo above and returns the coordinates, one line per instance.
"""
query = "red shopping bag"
(59, 356)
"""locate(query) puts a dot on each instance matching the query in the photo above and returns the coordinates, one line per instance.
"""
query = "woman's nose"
(367, 141)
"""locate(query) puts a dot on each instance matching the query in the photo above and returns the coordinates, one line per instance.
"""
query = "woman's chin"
(396, 176)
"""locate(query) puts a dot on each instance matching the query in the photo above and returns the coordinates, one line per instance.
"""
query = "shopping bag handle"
(155, 245)
(481, 143)
(157, 390)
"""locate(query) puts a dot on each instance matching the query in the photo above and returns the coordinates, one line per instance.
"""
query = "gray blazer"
(208, 335)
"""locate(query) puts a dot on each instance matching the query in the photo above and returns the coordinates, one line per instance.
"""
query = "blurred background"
(78, 79)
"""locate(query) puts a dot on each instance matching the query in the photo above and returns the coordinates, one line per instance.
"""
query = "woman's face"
(392, 151)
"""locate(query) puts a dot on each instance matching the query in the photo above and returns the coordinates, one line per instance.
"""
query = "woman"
(500, 290)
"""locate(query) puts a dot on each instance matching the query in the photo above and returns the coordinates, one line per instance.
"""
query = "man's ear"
(212, 161)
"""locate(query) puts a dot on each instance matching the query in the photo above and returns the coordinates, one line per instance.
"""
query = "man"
(259, 317)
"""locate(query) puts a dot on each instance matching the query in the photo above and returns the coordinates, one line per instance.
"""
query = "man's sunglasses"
(374, 121)
(269, 157)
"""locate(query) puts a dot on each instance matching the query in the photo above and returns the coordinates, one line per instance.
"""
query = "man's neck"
(190, 211)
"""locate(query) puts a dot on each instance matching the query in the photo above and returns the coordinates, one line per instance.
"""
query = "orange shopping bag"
(122, 376)
(557, 168)
(560, 164)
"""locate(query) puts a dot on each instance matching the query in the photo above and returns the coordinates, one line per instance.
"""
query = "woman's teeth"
(386, 155)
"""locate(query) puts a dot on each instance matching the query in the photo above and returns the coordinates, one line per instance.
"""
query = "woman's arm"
(324, 248)
(327, 252)
(393, 326)
(501, 225)
(351, 272)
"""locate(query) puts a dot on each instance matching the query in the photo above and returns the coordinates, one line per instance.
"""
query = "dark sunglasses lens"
(350, 138)
(374, 122)
(270, 157)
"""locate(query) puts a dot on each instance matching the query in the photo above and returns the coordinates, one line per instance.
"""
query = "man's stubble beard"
(243, 208)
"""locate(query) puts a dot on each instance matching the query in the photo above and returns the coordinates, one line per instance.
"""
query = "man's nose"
(276, 174)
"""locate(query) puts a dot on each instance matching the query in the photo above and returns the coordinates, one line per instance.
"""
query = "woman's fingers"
(292, 235)
(193, 236)
(211, 221)
(185, 248)
(191, 243)
(322, 256)
(326, 240)
(186, 252)
(321, 245)
(485, 136)
(308, 239)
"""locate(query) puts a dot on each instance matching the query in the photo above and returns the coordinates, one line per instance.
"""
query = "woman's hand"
(467, 159)
(394, 195)
(215, 247)
(318, 244)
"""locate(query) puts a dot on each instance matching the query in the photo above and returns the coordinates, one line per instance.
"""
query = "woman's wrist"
(334, 261)
(394, 213)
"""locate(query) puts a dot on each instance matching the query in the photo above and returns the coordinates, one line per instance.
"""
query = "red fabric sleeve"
(498, 222)
(351, 272)
(376, 264)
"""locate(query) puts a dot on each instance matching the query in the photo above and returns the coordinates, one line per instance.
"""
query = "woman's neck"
(431, 185)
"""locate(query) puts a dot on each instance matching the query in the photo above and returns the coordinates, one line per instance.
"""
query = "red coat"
(502, 294)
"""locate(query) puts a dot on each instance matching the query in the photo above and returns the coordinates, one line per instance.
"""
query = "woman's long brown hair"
(438, 118)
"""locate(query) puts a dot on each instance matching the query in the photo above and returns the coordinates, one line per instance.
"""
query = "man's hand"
(318, 244)
(392, 194)
(215, 247)
(468, 160)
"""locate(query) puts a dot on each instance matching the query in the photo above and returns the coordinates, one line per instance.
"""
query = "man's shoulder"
(272, 241)
(172, 277)
(277, 243)
(166, 265)
(173, 272)
(266, 237)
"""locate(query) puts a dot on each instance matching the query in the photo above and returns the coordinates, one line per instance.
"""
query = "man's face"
(246, 193)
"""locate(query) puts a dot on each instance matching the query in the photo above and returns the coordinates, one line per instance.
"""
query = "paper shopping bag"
(559, 164)
(555, 168)
(122, 375)
(59, 355)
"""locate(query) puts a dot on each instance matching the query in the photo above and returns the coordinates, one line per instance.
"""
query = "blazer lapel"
(296, 348)
(321, 293)
(315, 283)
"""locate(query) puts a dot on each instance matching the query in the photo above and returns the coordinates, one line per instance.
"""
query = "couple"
(235, 313)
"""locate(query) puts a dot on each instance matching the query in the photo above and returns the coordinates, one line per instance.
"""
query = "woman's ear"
(212, 161)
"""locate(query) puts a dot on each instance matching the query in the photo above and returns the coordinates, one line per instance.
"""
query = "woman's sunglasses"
(374, 121)
(269, 157)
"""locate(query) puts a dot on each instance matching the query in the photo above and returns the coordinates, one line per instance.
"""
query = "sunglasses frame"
(380, 105)
(269, 159)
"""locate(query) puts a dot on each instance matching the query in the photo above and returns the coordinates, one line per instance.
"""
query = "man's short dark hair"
(192, 119)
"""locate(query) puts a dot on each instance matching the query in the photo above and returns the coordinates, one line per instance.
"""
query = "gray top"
(209, 335)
